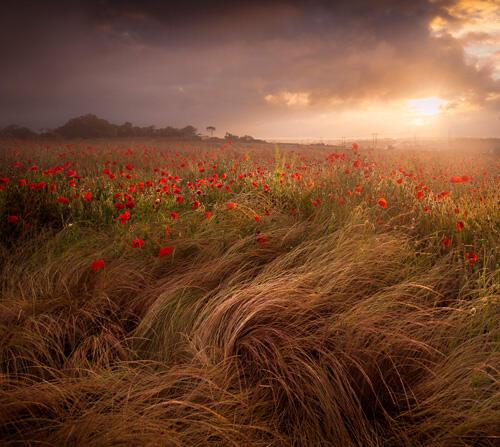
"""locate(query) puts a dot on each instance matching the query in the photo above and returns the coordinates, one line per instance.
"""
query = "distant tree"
(87, 126)
(14, 131)
(230, 136)
(211, 129)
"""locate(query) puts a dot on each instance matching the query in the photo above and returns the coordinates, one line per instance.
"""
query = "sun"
(426, 107)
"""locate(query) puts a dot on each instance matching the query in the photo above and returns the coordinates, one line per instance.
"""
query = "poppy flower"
(196, 204)
(119, 206)
(137, 242)
(231, 205)
(98, 264)
(456, 179)
(459, 226)
(262, 240)
(22, 182)
(208, 214)
(419, 195)
(63, 200)
(165, 251)
(472, 258)
(257, 218)
(123, 218)
(87, 196)
(174, 215)
(445, 241)
(12, 218)
(382, 202)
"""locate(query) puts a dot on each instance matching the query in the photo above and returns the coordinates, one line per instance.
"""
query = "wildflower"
(174, 215)
(419, 195)
(12, 218)
(445, 241)
(262, 240)
(231, 205)
(137, 242)
(87, 196)
(257, 218)
(459, 226)
(63, 200)
(456, 179)
(472, 258)
(208, 214)
(382, 202)
(165, 251)
(196, 204)
(123, 218)
(96, 265)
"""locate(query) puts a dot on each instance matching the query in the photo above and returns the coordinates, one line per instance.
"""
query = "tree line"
(91, 126)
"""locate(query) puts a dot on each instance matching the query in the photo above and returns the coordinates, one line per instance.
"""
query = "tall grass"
(350, 325)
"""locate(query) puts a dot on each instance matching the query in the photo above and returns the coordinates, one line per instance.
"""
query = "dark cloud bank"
(225, 63)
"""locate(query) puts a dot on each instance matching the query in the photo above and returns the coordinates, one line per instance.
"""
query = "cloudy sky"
(275, 69)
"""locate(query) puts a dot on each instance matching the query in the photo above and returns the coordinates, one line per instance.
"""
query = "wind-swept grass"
(348, 325)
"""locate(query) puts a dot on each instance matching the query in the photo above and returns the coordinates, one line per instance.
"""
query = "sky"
(271, 69)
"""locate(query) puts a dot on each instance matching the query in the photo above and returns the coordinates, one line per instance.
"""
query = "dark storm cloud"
(217, 62)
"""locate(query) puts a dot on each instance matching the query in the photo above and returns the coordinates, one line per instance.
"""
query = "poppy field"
(213, 293)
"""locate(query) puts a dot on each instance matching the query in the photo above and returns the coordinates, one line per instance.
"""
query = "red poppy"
(64, 200)
(196, 204)
(22, 182)
(137, 242)
(419, 195)
(257, 218)
(262, 240)
(231, 205)
(165, 251)
(382, 202)
(96, 265)
(472, 258)
(445, 241)
(456, 179)
(459, 226)
(123, 218)
(12, 218)
(208, 214)
(87, 196)
(174, 215)
(119, 206)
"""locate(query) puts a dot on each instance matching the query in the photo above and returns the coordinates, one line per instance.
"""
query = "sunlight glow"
(422, 107)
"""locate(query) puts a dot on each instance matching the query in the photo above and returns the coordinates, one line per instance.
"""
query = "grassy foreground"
(194, 295)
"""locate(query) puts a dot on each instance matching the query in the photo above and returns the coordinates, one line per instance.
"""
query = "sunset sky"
(283, 69)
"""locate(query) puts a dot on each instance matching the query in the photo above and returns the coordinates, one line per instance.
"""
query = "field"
(216, 294)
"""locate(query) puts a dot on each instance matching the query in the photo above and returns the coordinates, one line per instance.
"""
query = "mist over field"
(267, 224)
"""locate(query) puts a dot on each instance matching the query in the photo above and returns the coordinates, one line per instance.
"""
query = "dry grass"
(334, 333)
